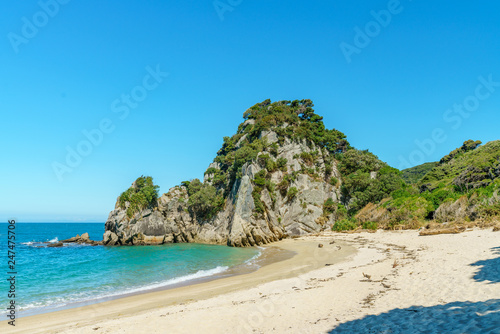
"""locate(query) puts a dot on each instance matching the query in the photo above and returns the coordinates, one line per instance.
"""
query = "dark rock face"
(237, 224)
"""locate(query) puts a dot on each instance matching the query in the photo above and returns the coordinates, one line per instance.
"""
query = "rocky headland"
(283, 174)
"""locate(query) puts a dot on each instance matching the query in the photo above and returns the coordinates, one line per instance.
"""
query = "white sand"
(441, 284)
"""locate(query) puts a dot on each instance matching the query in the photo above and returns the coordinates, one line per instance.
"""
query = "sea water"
(52, 278)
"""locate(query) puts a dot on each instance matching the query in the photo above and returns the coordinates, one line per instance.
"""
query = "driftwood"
(451, 230)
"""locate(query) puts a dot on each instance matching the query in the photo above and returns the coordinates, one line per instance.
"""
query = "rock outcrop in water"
(82, 239)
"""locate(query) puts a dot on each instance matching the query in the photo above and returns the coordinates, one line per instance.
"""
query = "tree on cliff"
(141, 195)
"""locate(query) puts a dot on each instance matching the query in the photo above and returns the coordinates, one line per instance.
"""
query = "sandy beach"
(383, 282)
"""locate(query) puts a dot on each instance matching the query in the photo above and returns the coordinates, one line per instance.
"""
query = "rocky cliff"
(237, 224)
(278, 176)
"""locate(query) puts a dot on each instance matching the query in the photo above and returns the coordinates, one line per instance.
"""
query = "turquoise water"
(51, 278)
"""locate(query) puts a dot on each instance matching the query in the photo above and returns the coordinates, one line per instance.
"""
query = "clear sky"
(157, 84)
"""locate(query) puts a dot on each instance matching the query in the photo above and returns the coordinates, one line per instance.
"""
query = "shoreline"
(290, 257)
(268, 255)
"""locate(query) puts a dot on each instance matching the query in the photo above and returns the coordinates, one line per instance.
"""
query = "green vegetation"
(467, 146)
(294, 120)
(292, 192)
(369, 225)
(470, 167)
(204, 200)
(329, 207)
(469, 176)
(366, 179)
(414, 174)
(141, 195)
(345, 225)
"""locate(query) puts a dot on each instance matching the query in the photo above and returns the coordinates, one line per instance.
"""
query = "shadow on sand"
(456, 317)
(490, 269)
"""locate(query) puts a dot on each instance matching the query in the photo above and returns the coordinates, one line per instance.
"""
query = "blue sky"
(69, 68)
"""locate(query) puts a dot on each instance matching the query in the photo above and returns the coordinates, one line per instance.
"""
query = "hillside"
(463, 187)
(282, 174)
(414, 174)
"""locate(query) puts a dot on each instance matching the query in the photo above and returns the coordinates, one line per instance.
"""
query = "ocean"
(49, 279)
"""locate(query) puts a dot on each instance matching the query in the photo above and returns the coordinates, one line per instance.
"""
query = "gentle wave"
(61, 302)
(54, 240)
(252, 260)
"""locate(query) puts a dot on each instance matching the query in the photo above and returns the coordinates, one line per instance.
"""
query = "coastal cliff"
(283, 174)
(241, 222)
(277, 177)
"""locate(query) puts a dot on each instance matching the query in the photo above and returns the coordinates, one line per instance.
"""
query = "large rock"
(110, 239)
(237, 224)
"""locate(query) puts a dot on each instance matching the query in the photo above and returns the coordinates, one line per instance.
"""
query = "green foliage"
(263, 159)
(469, 168)
(204, 200)
(370, 225)
(259, 206)
(142, 194)
(414, 207)
(438, 196)
(344, 225)
(273, 149)
(194, 186)
(260, 178)
(329, 207)
(307, 157)
(334, 181)
(281, 164)
(467, 146)
(302, 123)
(292, 192)
(283, 186)
(341, 212)
(359, 187)
(405, 191)
(293, 119)
(357, 161)
(414, 174)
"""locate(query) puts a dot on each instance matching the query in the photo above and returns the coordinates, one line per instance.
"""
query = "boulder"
(110, 239)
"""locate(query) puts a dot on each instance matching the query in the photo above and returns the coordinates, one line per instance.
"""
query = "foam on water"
(51, 278)
(58, 302)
